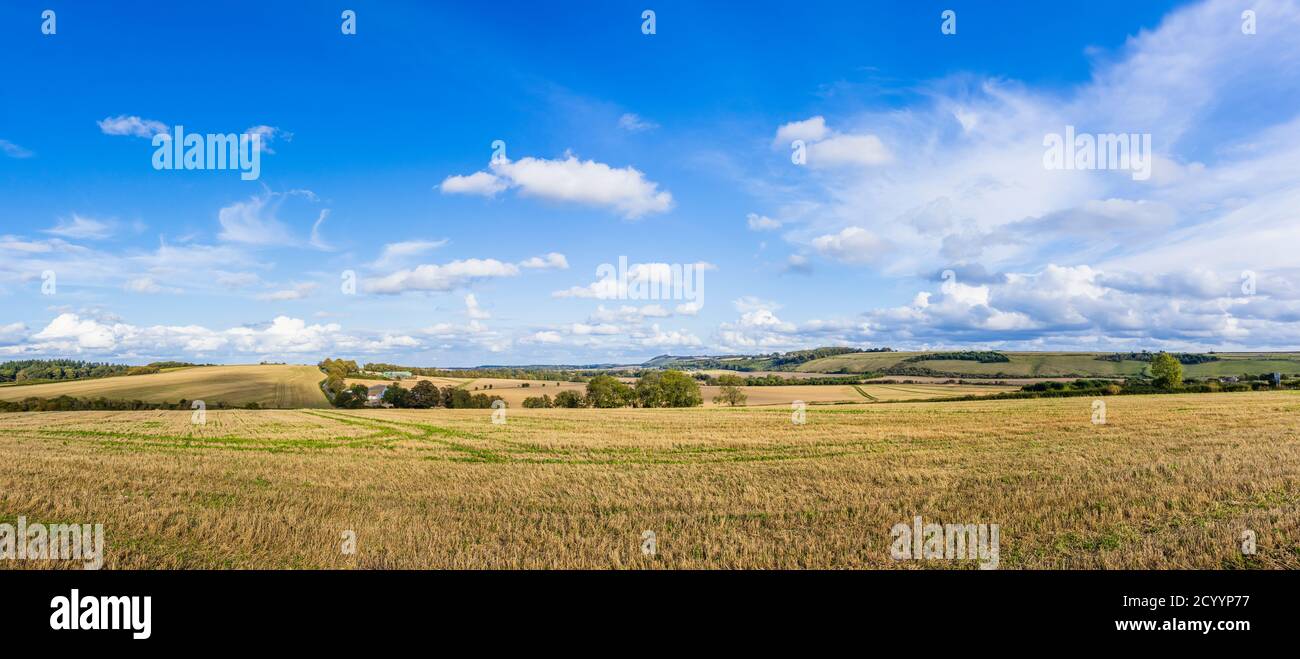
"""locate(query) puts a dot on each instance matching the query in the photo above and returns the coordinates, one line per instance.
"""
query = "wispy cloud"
(131, 125)
(13, 150)
(80, 227)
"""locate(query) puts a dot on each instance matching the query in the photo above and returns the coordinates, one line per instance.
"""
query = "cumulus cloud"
(586, 182)
(74, 334)
(963, 179)
(441, 278)
(551, 261)
(478, 183)
(828, 148)
(808, 130)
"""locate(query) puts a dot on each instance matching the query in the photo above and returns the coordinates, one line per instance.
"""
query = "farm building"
(396, 375)
(375, 394)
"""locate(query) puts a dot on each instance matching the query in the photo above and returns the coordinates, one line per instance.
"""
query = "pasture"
(1168, 481)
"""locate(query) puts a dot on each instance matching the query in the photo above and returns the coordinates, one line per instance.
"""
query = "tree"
(668, 389)
(397, 396)
(1166, 370)
(569, 398)
(425, 394)
(649, 390)
(681, 390)
(536, 402)
(608, 391)
(729, 391)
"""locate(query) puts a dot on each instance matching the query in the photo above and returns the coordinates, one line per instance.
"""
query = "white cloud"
(635, 124)
(268, 134)
(546, 336)
(456, 274)
(236, 280)
(668, 339)
(316, 240)
(70, 333)
(253, 222)
(13, 150)
(828, 148)
(644, 281)
(399, 252)
(688, 308)
(478, 183)
(851, 245)
(628, 313)
(758, 222)
(148, 285)
(808, 130)
(131, 125)
(586, 182)
(441, 278)
(473, 310)
(840, 150)
(551, 261)
(295, 292)
(80, 227)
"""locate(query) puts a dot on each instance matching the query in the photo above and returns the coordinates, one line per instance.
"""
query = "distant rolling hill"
(1053, 364)
(1017, 364)
(283, 386)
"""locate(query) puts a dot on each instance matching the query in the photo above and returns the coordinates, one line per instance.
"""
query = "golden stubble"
(1167, 482)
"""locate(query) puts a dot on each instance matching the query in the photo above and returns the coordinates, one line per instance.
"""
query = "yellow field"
(514, 391)
(1168, 482)
(268, 386)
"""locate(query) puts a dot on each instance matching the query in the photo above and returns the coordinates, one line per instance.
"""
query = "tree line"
(1145, 356)
(78, 404)
(423, 395)
(981, 356)
(53, 370)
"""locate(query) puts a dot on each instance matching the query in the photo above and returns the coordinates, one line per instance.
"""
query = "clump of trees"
(353, 397)
(653, 389)
(423, 395)
(607, 391)
(57, 369)
(668, 389)
(50, 370)
(337, 371)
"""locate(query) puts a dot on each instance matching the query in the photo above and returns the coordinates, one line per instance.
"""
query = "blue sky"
(925, 154)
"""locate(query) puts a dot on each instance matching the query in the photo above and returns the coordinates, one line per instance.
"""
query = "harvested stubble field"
(1168, 482)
